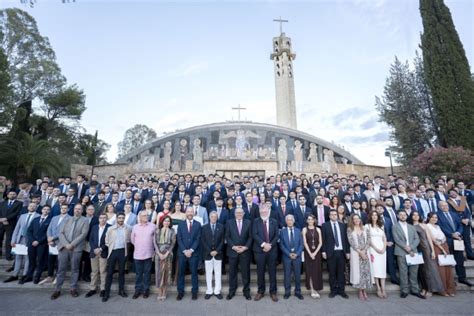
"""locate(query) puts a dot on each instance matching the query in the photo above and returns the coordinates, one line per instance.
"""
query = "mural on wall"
(188, 152)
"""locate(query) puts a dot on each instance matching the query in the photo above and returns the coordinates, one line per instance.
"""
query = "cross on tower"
(281, 23)
(239, 108)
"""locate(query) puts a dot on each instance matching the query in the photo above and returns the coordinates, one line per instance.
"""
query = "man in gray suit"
(200, 213)
(406, 241)
(19, 238)
(72, 238)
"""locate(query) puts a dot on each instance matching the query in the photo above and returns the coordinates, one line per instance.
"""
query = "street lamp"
(388, 153)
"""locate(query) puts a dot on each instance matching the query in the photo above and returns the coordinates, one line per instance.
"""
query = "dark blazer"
(94, 241)
(363, 216)
(445, 226)
(258, 234)
(285, 242)
(212, 242)
(189, 240)
(223, 217)
(328, 238)
(99, 207)
(38, 232)
(326, 213)
(85, 187)
(387, 226)
(10, 213)
(281, 216)
(300, 218)
(254, 211)
(234, 239)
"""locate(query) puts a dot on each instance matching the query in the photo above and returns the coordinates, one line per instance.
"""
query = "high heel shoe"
(380, 294)
(366, 298)
(361, 296)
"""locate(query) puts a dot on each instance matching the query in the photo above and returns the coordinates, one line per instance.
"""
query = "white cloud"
(189, 69)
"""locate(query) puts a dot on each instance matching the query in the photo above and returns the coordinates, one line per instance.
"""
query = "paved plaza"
(14, 302)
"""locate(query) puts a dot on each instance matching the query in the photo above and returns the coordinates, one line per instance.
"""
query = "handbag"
(446, 260)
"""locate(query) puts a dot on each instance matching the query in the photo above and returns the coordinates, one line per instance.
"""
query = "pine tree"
(448, 75)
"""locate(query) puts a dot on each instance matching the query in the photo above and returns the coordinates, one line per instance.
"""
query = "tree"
(26, 157)
(447, 75)
(93, 149)
(453, 162)
(6, 109)
(135, 137)
(403, 108)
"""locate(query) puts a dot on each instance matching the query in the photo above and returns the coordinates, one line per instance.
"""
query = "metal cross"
(239, 108)
(281, 23)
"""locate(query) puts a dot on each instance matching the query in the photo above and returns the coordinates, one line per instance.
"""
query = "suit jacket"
(400, 239)
(99, 207)
(223, 217)
(254, 211)
(189, 240)
(281, 216)
(300, 218)
(54, 228)
(202, 212)
(285, 242)
(85, 187)
(387, 227)
(258, 234)
(10, 213)
(363, 216)
(326, 213)
(79, 236)
(111, 237)
(38, 232)
(138, 208)
(212, 242)
(94, 241)
(21, 227)
(234, 239)
(328, 238)
(446, 227)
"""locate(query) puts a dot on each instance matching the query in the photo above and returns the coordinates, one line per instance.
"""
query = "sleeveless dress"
(313, 268)
(378, 262)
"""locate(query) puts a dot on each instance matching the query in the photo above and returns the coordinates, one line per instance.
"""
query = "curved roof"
(242, 125)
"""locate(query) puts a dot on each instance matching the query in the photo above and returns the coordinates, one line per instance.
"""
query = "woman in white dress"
(377, 252)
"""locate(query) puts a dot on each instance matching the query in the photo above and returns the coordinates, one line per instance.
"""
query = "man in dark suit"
(451, 226)
(459, 206)
(251, 209)
(284, 210)
(80, 187)
(301, 212)
(265, 237)
(321, 211)
(100, 204)
(9, 210)
(222, 212)
(212, 244)
(98, 256)
(291, 244)
(37, 242)
(238, 234)
(188, 237)
(335, 250)
(356, 210)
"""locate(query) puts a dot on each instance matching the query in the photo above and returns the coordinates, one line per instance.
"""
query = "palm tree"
(25, 156)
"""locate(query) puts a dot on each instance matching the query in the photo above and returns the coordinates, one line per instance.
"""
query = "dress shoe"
(11, 279)
(90, 293)
(179, 297)
(25, 279)
(86, 279)
(9, 258)
(201, 272)
(194, 296)
(418, 295)
(10, 269)
(122, 293)
(105, 298)
(332, 295)
(229, 296)
(55, 295)
(403, 295)
(247, 296)
(146, 294)
(74, 293)
(258, 297)
(396, 282)
(464, 281)
(36, 281)
(286, 296)
(343, 295)
(219, 296)
(207, 296)
(102, 293)
(299, 296)
(470, 258)
(136, 295)
(274, 297)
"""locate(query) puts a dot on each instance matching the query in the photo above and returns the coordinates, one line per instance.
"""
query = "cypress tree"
(448, 75)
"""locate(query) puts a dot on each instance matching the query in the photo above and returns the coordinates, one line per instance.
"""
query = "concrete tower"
(283, 57)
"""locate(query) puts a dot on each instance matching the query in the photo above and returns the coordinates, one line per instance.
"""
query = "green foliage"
(447, 75)
(404, 107)
(25, 157)
(6, 109)
(453, 162)
(135, 137)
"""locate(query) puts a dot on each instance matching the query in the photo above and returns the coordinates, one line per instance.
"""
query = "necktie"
(294, 204)
(432, 206)
(135, 208)
(450, 219)
(292, 240)
(213, 226)
(239, 227)
(303, 210)
(41, 221)
(336, 238)
(265, 231)
(190, 226)
(10, 202)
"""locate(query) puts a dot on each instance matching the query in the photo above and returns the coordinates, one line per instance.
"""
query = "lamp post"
(388, 153)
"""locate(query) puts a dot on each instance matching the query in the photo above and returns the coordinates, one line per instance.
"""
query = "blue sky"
(176, 64)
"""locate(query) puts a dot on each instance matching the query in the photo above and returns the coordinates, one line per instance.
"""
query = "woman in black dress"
(312, 256)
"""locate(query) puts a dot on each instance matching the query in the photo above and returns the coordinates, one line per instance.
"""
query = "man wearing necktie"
(291, 245)
(9, 211)
(301, 212)
(19, 237)
(336, 250)
(458, 205)
(212, 244)
(265, 237)
(38, 245)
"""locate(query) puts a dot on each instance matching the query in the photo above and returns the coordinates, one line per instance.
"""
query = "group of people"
(364, 230)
